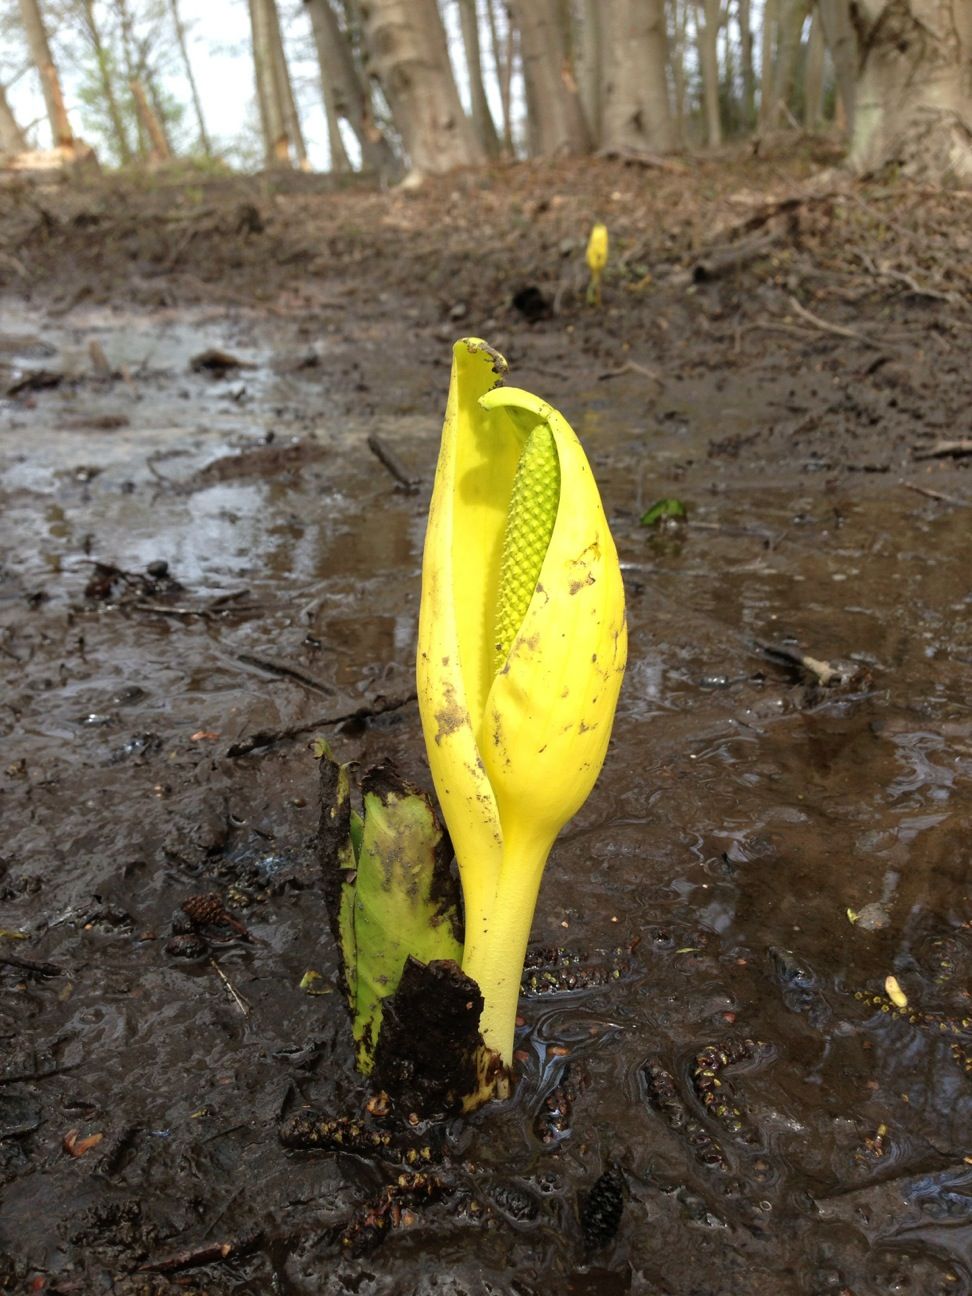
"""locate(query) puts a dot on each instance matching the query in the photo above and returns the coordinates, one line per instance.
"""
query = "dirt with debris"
(221, 413)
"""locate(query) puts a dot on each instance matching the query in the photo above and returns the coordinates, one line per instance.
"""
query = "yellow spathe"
(516, 743)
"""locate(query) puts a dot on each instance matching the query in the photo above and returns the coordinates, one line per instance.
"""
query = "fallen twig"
(208, 1253)
(388, 459)
(241, 1003)
(825, 326)
(937, 495)
(270, 737)
(284, 672)
(630, 366)
(944, 450)
(31, 965)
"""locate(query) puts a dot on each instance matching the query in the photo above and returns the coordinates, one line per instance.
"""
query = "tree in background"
(40, 53)
(408, 54)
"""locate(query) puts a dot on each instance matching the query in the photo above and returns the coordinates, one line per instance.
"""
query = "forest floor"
(221, 402)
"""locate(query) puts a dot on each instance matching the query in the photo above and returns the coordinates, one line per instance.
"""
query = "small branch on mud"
(208, 1253)
(822, 672)
(173, 610)
(285, 672)
(652, 161)
(30, 965)
(389, 460)
(241, 1003)
(838, 330)
(630, 366)
(937, 495)
(270, 737)
(944, 450)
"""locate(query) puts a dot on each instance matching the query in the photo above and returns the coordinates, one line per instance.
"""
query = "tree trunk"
(276, 148)
(591, 63)
(352, 101)
(180, 31)
(634, 82)
(12, 138)
(503, 53)
(482, 118)
(709, 63)
(407, 49)
(283, 87)
(746, 56)
(787, 57)
(103, 63)
(813, 77)
(40, 53)
(677, 40)
(556, 116)
(767, 63)
(842, 42)
(160, 151)
(913, 103)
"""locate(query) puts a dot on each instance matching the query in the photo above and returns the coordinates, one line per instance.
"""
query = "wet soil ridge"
(781, 827)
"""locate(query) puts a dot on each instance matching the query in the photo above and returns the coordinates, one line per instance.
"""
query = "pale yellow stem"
(496, 941)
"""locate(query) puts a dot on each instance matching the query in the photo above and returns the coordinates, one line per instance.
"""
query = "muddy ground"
(205, 566)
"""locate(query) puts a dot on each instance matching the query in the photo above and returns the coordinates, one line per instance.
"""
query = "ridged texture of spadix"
(515, 738)
(529, 526)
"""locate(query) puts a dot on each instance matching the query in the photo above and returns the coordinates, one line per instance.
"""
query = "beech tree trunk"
(340, 77)
(204, 141)
(283, 87)
(482, 118)
(407, 52)
(12, 138)
(792, 18)
(709, 62)
(913, 102)
(276, 147)
(746, 57)
(813, 76)
(557, 123)
(40, 53)
(767, 62)
(590, 64)
(634, 87)
(503, 52)
(841, 41)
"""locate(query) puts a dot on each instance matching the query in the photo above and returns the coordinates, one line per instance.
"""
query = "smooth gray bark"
(709, 63)
(557, 124)
(482, 118)
(407, 52)
(634, 80)
(342, 79)
(841, 41)
(913, 101)
(283, 87)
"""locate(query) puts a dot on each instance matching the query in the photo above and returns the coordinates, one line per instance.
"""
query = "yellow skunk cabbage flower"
(597, 255)
(522, 646)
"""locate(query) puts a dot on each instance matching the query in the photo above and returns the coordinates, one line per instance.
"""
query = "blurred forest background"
(397, 88)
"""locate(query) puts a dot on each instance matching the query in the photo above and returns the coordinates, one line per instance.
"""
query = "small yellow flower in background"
(522, 647)
(597, 255)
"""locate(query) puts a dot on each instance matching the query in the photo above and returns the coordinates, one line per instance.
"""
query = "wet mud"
(205, 567)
